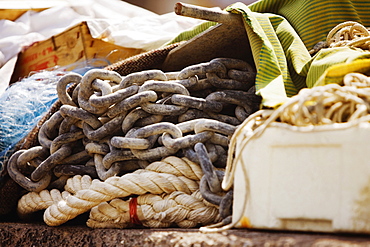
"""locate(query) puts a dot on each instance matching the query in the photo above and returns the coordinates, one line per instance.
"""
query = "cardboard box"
(72, 46)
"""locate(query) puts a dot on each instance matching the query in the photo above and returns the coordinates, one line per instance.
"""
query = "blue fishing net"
(25, 102)
(22, 105)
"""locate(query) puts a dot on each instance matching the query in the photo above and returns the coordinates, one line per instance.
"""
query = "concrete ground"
(39, 234)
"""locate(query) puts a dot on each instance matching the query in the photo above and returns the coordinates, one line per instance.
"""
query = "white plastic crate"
(304, 178)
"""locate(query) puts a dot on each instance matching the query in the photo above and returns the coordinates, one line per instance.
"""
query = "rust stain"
(244, 221)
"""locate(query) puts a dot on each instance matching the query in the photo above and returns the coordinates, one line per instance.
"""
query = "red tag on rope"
(134, 219)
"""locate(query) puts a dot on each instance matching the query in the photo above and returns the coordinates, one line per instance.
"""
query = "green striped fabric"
(282, 31)
(329, 57)
(336, 73)
(278, 52)
(313, 19)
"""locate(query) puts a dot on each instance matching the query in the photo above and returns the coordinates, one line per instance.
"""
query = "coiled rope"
(349, 33)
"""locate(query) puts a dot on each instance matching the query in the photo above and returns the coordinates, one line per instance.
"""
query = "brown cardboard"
(72, 46)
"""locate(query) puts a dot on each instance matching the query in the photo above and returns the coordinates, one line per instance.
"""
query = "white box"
(304, 179)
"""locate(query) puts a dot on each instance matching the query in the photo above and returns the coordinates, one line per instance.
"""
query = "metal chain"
(110, 124)
(210, 184)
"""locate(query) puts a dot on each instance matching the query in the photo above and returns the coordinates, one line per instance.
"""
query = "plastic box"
(304, 179)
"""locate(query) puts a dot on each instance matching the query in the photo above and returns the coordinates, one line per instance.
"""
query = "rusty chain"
(110, 125)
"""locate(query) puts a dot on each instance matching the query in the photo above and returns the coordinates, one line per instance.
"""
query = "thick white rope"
(34, 201)
(165, 210)
(84, 193)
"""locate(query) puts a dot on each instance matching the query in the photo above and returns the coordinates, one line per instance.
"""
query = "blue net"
(22, 105)
(25, 102)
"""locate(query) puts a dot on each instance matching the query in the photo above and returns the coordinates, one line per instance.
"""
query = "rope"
(34, 201)
(349, 33)
(82, 193)
(165, 210)
(129, 184)
(178, 167)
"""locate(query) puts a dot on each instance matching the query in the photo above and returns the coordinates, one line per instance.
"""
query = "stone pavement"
(39, 234)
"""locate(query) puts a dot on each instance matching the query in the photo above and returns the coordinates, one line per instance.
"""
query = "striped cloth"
(335, 73)
(282, 31)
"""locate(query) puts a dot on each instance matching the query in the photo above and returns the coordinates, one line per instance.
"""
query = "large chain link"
(110, 125)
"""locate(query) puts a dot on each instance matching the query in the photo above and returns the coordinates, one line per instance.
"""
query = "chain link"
(16, 174)
(86, 90)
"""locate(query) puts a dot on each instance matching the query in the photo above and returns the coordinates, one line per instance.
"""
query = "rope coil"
(165, 210)
(349, 33)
